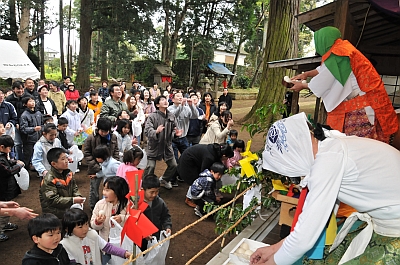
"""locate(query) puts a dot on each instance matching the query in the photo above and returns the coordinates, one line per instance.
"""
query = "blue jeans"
(179, 144)
(105, 257)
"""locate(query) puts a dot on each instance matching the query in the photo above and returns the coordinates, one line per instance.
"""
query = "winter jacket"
(111, 108)
(87, 117)
(27, 123)
(62, 136)
(40, 150)
(71, 94)
(8, 113)
(17, 103)
(183, 114)
(37, 256)
(108, 168)
(95, 107)
(195, 160)
(104, 228)
(196, 125)
(158, 214)
(9, 188)
(94, 140)
(74, 124)
(123, 168)
(40, 107)
(203, 187)
(59, 100)
(124, 143)
(159, 145)
(32, 93)
(104, 93)
(227, 99)
(215, 132)
(203, 106)
(57, 192)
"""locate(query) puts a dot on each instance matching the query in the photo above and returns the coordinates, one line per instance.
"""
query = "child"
(45, 231)
(94, 104)
(109, 165)
(130, 161)
(238, 147)
(157, 211)
(48, 119)
(58, 190)
(30, 125)
(74, 121)
(82, 243)
(9, 188)
(203, 188)
(113, 205)
(86, 115)
(232, 137)
(71, 93)
(46, 142)
(124, 137)
(61, 135)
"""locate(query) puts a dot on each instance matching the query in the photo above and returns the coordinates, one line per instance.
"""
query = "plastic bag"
(80, 138)
(158, 254)
(248, 196)
(22, 179)
(143, 163)
(127, 244)
(76, 156)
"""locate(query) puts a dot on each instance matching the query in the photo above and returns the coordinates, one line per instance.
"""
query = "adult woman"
(352, 90)
(197, 158)
(208, 107)
(44, 104)
(218, 129)
(57, 96)
(86, 114)
(154, 91)
(336, 168)
(124, 95)
(137, 117)
(148, 105)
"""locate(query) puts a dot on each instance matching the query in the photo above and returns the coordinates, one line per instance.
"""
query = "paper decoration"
(277, 184)
(247, 167)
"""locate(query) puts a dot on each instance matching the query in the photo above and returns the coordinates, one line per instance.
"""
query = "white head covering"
(288, 148)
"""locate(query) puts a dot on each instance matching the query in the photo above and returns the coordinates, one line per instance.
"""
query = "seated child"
(58, 190)
(82, 243)
(62, 126)
(238, 147)
(232, 137)
(109, 165)
(203, 188)
(157, 211)
(45, 231)
(130, 160)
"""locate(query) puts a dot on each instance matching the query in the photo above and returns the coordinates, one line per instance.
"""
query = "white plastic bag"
(143, 163)
(76, 156)
(22, 179)
(248, 196)
(158, 254)
(127, 244)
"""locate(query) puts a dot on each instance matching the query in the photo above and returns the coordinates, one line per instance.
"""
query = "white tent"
(14, 63)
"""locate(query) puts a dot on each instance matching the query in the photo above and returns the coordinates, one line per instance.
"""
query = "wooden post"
(136, 206)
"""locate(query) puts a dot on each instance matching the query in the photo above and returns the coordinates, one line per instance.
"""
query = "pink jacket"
(233, 161)
(123, 168)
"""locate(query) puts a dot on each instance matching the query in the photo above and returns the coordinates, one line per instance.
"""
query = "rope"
(224, 233)
(131, 259)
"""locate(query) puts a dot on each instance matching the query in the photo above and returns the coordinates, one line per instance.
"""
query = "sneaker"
(3, 237)
(190, 202)
(10, 227)
(174, 184)
(179, 179)
(165, 183)
(198, 212)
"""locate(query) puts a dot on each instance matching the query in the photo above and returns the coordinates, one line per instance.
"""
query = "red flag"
(130, 177)
(147, 227)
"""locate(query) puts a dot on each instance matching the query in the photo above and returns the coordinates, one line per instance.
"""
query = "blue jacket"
(203, 187)
(27, 123)
(8, 113)
(108, 168)
(196, 125)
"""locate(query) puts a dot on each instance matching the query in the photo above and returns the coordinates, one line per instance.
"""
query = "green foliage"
(265, 117)
(243, 81)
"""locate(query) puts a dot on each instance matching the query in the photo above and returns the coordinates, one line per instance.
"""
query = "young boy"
(109, 165)
(62, 125)
(157, 211)
(30, 125)
(203, 188)
(9, 188)
(232, 137)
(45, 231)
(58, 190)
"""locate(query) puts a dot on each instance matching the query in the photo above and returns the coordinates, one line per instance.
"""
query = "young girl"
(113, 205)
(46, 142)
(82, 243)
(238, 147)
(124, 137)
(86, 115)
(74, 120)
(130, 160)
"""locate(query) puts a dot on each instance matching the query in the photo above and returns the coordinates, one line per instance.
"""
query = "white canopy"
(14, 63)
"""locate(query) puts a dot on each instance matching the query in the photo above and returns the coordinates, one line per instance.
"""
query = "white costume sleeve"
(323, 184)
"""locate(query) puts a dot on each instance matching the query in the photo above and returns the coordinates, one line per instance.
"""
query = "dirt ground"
(182, 248)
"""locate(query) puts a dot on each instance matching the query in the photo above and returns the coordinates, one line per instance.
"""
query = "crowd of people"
(43, 126)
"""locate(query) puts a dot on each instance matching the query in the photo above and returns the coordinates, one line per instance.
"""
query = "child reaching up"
(130, 160)
(203, 188)
(82, 243)
(238, 147)
(157, 211)
(113, 205)
(109, 165)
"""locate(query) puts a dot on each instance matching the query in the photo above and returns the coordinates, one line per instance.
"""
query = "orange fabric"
(208, 107)
(63, 182)
(96, 109)
(369, 82)
(345, 210)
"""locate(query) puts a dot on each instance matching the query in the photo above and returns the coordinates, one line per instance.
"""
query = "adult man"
(41, 82)
(184, 110)
(196, 124)
(161, 128)
(114, 105)
(225, 98)
(64, 86)
(16, 100)
(30, 88)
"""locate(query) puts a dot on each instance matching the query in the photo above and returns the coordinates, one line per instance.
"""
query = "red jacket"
(71, 95)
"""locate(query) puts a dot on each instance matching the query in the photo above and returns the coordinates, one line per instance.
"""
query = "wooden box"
(288, 208)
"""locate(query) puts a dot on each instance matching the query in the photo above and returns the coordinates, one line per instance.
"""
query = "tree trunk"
(85, 36)
(13, 20)
(281, 41)
(61, 33)
(241, 40)
(165, 40)
(23, 33)
(253, 80)
(69, 67)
